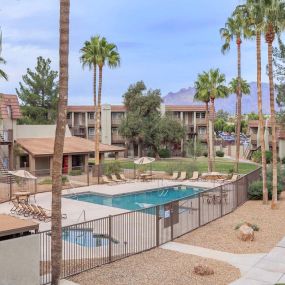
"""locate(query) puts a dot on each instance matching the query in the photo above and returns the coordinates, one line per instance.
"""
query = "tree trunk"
(210, 166)
(211, 135)
(56, 242)
(269, 39)
(95, 104)
(238, 124)
(98, 119)
(260, 117)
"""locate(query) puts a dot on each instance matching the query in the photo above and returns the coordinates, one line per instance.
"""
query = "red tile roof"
(185, 108)
(75, 145)
(9, 100)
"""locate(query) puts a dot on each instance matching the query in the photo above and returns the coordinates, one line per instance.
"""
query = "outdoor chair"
(115, 179)
(174, 175)
(182, 176)
(106, 180)
(233, 179)
(37, 211)
(45, 215)
(122, 176)
(16, 209)
(195, 176)
(26, 210)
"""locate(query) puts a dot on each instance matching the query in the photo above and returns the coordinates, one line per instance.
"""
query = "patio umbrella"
(23, 174)
(144, 160)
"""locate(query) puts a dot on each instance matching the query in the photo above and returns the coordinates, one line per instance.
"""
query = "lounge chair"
(174, 175)
(122, 176)
(26, 210)
(182, 176)
(106, 180)
(195, 176)
(45, 215)
(115, 179)
(17, 208)
(233, 179)
(37, 211)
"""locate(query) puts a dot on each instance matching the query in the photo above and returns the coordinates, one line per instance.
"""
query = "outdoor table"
(23, 196)
(145, 176)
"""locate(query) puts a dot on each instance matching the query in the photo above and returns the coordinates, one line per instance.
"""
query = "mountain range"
(185, 96)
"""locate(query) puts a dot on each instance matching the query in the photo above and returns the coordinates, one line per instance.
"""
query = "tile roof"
(122, 108)
(9, 100)
(75, 145)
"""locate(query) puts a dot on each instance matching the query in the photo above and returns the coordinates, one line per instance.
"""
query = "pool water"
(85, 237)
(139, 200)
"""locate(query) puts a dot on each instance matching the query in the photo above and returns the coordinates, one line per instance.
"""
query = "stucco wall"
(281, 148)
(42, 163)
(106, 124)
(37, 131)
(20, 261)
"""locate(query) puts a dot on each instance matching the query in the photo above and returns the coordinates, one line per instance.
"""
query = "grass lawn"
(189, 165)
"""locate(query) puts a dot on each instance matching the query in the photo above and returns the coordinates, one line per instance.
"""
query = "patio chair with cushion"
(17, 208)
(195, 176)
(106, 180)
(174, 175)
(115, 179)
(182, 176)
(122, 176)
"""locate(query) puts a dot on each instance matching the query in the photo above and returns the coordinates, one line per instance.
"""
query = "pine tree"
(39, 94)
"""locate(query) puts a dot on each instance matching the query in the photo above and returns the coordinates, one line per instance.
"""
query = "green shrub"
(255, 190)
(220, 153)
(112, 168)
(75, 172)
(64, 179)
(283, 160)
(164, 153)
(205, 153)
(150, 153)
(48, 181)
(256, 156)
(253, 226)
(231, 170)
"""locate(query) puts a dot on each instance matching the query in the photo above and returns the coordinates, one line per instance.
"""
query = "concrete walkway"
(256, 269)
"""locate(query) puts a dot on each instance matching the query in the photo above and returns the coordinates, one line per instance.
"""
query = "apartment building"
(81, 122)
(253, 130)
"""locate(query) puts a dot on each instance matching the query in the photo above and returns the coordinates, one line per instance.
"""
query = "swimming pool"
(138, 200)
(86, 237)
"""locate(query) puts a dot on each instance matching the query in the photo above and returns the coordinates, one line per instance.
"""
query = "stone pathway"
(256, 269)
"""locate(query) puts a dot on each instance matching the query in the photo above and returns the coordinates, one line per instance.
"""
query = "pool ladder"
(83, 213)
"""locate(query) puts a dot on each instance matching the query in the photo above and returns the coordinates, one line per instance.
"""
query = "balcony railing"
(116, 121)
(6, 136)
(117, 138)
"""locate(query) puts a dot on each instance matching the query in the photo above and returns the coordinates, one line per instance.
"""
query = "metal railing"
(90, 244)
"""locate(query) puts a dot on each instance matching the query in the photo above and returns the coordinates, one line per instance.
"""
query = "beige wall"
(281, 148)
(106, 124)
(20, 261)
(42, 163)
(37, 131)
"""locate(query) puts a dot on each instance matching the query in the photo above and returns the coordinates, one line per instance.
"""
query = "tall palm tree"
(56, 242)
(236, 29)
(202, 94)
(213, 83)
(235, 84)
(3, 74)
(89, 58)
(274, 15)
(254, 13)
(98, 52)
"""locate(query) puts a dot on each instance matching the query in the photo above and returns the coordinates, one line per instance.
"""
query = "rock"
(203, 270)
(246, 233)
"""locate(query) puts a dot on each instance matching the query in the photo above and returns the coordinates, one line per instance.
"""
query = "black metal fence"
(97, 242)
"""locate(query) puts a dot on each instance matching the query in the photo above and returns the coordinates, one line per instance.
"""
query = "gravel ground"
(156, 267)
(220, 234)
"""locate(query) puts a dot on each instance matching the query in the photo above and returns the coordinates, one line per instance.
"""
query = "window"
(91, 132)
(202, 131)
(68, 116)
(203, 115)
(91, 115)
(115, 131)
(24, 161)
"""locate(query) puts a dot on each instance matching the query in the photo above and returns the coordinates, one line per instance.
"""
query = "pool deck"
(74, 209)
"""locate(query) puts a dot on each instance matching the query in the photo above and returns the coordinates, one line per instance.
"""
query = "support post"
(110, 238)
(171, 220)
(221, 195)
(199, 209)
(157, 226)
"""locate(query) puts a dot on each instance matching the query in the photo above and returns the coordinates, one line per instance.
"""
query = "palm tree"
(213, 84)
(98, 52)
(254, 12)
(274, 15)
(235, 28)
(202, 94)
(56, 242)
(3, 74)
(89, 58)
(244, 86)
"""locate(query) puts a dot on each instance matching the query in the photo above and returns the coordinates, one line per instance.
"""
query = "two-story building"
(253, 130)
(81, 122)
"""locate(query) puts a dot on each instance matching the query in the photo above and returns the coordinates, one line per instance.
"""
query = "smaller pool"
(86, 237)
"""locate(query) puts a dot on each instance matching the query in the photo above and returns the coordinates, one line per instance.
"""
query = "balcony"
(6, 136)
(116, 121)
(201, 121)
(116, 138)
(79, 132)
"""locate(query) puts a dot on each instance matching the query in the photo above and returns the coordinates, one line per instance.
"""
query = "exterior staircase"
(5, 176)
(248, 152)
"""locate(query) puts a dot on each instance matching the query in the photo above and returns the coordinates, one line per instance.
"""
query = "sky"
(165, 43)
